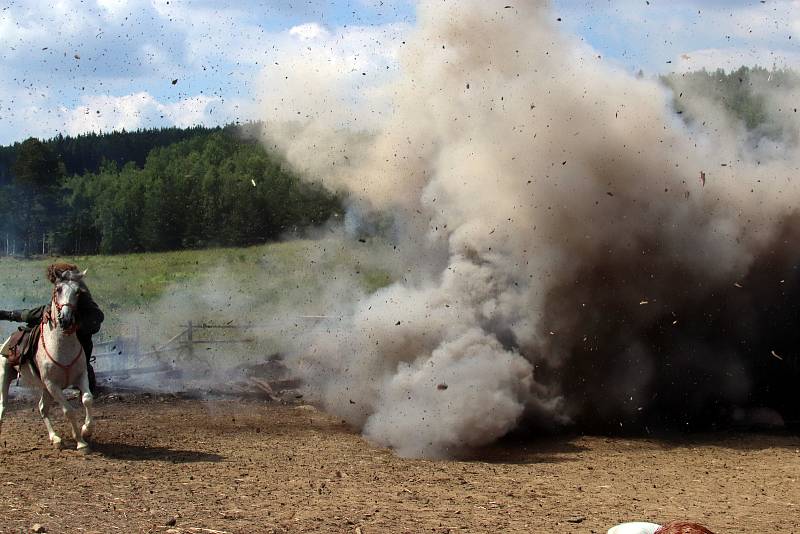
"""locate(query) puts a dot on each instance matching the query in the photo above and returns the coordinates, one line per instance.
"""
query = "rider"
(89, 314)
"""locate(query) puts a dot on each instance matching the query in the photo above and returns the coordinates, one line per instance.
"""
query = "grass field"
(217, 285)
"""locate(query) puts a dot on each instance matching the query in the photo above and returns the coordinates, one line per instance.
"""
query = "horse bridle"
(73, 307)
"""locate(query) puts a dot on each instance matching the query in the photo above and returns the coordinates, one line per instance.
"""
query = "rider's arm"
(32, 316)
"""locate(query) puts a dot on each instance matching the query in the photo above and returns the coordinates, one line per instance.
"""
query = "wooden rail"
(185, 341)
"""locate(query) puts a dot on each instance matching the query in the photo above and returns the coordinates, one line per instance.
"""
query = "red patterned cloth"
(683, 527)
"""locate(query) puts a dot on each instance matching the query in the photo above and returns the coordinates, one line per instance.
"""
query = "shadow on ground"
(124, 451)
(519, 451)
(522, 447)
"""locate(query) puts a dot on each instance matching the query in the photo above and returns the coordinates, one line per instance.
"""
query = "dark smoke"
(688, 358)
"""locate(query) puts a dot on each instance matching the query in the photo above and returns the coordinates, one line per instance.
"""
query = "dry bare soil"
(179, 466)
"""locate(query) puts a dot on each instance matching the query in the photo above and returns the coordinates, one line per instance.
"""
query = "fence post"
(190, 338)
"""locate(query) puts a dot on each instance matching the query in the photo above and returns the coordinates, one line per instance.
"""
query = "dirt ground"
(179, 466)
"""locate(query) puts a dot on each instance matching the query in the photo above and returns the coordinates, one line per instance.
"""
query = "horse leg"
(31, 379)
(5, 382)
(88, 401)
(69, 413)
(45, 402)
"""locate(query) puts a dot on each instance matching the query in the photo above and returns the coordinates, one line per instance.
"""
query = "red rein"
(46, 318)
(67, 331)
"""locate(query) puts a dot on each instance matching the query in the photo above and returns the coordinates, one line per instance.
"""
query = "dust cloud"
(563, 260)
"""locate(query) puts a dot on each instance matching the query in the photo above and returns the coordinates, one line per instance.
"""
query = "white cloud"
(332, 73)
(114, 7)
(309, 31)
(106, 113)
(138, 110)
(60, 58)
(226, 50)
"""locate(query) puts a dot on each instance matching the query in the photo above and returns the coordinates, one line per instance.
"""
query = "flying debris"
(640, 260)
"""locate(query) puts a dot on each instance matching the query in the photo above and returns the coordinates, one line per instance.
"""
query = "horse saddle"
(21, 345)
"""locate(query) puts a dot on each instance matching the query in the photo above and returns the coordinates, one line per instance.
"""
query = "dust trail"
(563, 260)
(268, 293)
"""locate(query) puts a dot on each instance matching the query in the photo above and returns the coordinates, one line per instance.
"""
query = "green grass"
(165, 289)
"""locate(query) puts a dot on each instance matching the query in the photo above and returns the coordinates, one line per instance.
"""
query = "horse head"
(67, 289)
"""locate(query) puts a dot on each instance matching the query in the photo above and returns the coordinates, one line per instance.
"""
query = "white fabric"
(634, 528)
(6, 349)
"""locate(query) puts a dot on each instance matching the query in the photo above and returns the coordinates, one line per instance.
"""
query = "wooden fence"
(130, 349)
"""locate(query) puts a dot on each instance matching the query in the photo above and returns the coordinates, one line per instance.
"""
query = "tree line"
(86, 152)
(212, 188)
(173, 188)
(741, 92)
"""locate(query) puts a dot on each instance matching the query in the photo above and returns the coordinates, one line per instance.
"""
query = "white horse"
(60, 362)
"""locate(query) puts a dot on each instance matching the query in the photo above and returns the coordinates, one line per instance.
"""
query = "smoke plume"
(572, 251)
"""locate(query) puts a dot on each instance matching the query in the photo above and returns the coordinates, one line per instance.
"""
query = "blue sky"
(665, 35)
(71, 66)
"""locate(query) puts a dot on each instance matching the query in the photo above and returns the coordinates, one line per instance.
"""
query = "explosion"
(564, 262)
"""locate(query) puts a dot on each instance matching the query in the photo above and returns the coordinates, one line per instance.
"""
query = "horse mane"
(57, 270)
